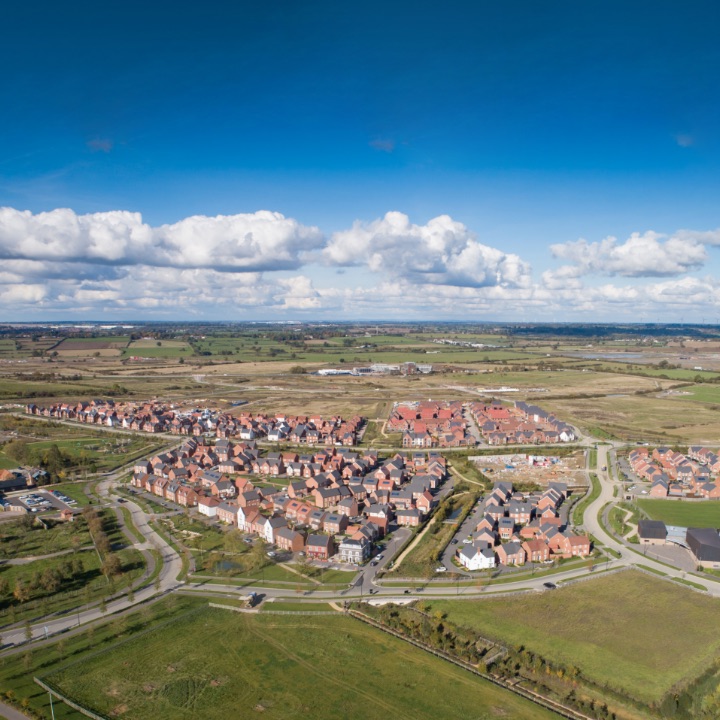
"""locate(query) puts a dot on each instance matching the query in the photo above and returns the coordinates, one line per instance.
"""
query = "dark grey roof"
(652, 529)
(705, 544)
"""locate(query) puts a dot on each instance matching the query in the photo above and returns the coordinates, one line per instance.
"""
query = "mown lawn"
(638, 634)
(216, 664)
(686, 514)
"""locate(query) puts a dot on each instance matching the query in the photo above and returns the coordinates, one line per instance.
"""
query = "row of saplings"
(700, 700)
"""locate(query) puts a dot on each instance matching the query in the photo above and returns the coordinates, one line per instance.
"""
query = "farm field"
(704, 514)
(668, 419)
(158, 349)
(318, 668)
(619, 630)
(39, 391)
(110, 346)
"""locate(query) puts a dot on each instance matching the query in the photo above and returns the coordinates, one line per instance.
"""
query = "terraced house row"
(157, 417)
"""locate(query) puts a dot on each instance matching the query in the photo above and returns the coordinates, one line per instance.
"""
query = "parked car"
(441, 569)
(549, 586)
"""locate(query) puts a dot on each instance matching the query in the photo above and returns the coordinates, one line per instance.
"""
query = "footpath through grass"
(423, 558)
(578, 511)
(215, 663)
(620, 630)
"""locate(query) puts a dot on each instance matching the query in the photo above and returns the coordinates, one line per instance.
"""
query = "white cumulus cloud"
(236, 243)
(441, 252)
(648, 254)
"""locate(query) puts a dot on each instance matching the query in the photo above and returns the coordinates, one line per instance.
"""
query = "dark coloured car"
(549, 586)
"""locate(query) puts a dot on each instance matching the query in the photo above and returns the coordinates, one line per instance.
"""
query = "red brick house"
(290, 540)
(320, 547)
(536, 551)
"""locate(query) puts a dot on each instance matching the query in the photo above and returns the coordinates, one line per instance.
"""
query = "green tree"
(19, 451)
(233, 541)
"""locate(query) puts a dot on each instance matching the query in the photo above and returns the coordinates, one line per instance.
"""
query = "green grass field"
(158, 349)
(703, 393)
(215, 664)
(686, 514)
(620, 629)
(17, 541)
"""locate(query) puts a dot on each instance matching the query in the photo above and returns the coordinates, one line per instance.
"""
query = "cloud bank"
(264, 265)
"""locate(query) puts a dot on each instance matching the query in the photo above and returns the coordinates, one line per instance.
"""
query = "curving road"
(364, 582)
(171, 567)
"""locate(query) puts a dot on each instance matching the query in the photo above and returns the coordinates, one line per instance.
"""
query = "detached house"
(476, 557)
(290, 540)
(320, 547)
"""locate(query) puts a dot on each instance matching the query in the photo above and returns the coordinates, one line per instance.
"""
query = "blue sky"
(523, 126)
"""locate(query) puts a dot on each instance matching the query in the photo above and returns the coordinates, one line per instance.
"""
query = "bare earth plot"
(216, 664)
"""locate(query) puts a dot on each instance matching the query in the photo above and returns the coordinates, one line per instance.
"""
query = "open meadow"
(703, 514)
(282, 667)
(620, 630)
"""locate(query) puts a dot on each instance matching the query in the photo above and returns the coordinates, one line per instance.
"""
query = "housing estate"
(673, 474)
(517, 528)
(351, 497)
(430, 424)
(521, 423)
